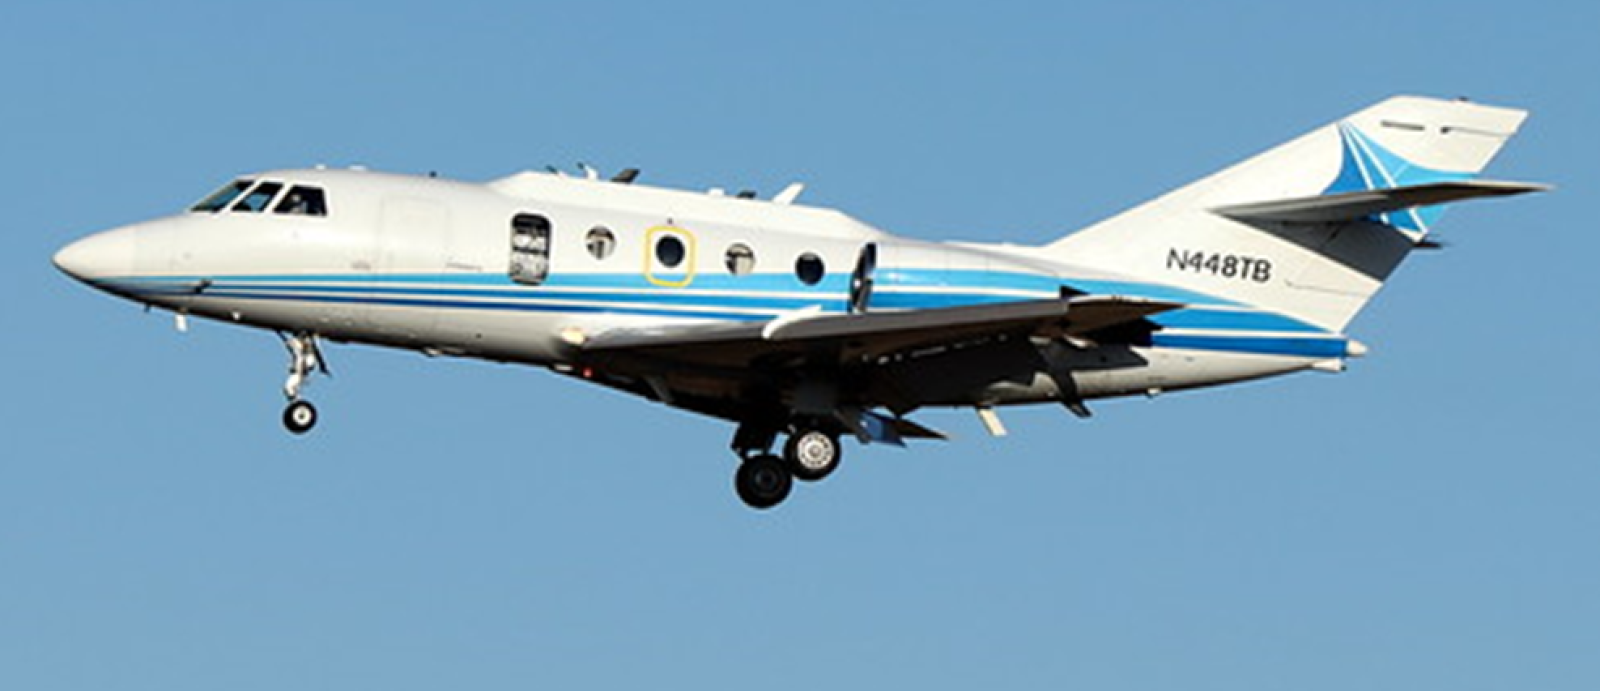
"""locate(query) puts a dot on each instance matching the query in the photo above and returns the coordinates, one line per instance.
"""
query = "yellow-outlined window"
(669, 256)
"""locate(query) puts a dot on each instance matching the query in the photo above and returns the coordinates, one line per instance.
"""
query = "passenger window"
(530, 249)
(669, 256)
(809, 269)
(257, 199)
(303, 201)
(670, 251)
(600, 242)
(740, 259)
(220, 198)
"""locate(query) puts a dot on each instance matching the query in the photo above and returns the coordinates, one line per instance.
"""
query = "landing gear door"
(530, 249)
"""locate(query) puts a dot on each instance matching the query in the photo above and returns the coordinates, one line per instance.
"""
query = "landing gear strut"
(304, 358)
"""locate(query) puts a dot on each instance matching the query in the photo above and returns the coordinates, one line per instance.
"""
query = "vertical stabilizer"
(1397, 157)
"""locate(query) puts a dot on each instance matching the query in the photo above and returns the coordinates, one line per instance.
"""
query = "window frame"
(215, 202)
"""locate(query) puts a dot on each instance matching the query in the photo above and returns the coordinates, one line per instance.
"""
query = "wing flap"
(1353, 206)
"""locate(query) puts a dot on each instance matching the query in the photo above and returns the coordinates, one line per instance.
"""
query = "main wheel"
(762, 482)
(300, 417)
(812, 454)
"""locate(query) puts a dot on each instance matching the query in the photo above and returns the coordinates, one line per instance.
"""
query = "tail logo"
(1367, 165)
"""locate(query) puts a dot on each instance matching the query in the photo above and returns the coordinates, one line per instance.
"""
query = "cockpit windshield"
(220, 198)
(300, 200)
(258, 198)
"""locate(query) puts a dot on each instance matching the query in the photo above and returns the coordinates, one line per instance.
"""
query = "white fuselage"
(426, 264)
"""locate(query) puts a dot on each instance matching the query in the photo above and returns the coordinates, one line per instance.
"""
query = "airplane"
(805, 323)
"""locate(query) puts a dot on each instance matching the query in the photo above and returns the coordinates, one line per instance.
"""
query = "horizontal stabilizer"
(1352, 206)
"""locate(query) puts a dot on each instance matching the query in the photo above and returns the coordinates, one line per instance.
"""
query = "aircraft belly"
(501, 335)
(1167, 369)
(1111, 371)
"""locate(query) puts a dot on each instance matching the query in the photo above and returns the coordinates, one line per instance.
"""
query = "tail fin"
(1311, 228)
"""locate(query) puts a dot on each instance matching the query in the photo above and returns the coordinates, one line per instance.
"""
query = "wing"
(811, 337)
(895, 360)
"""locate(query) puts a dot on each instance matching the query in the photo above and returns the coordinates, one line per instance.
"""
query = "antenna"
(789, 194)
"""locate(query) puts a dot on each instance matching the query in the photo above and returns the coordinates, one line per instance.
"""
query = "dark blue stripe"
(1299, 347)
(502, 306)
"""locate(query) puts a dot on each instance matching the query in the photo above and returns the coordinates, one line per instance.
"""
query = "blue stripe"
(974, 280)
(899, 301)
(1261, 345)
(1232, 320)
(1148, 291)
(636, 296)
(774, 303)
(521, 306)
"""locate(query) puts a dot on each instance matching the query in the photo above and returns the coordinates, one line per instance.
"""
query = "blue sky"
(1426, 520)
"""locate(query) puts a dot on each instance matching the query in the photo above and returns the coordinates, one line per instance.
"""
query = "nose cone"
(104, 255)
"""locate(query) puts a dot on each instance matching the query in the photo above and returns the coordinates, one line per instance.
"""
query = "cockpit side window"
(303, 201)
(257, 199)
(220, 198)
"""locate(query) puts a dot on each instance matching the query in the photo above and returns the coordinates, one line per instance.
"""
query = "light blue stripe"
(1232, 320)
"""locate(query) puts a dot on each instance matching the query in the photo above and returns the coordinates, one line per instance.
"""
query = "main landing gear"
(764, 480)
(304, 358)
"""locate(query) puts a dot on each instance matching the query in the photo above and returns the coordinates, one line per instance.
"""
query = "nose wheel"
(304, 359)
(300, 416)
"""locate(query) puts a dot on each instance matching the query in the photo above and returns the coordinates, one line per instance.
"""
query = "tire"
(812, 454)
(763, 482)
(299, 417)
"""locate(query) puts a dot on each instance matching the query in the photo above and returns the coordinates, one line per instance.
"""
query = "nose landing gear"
(304, 358)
